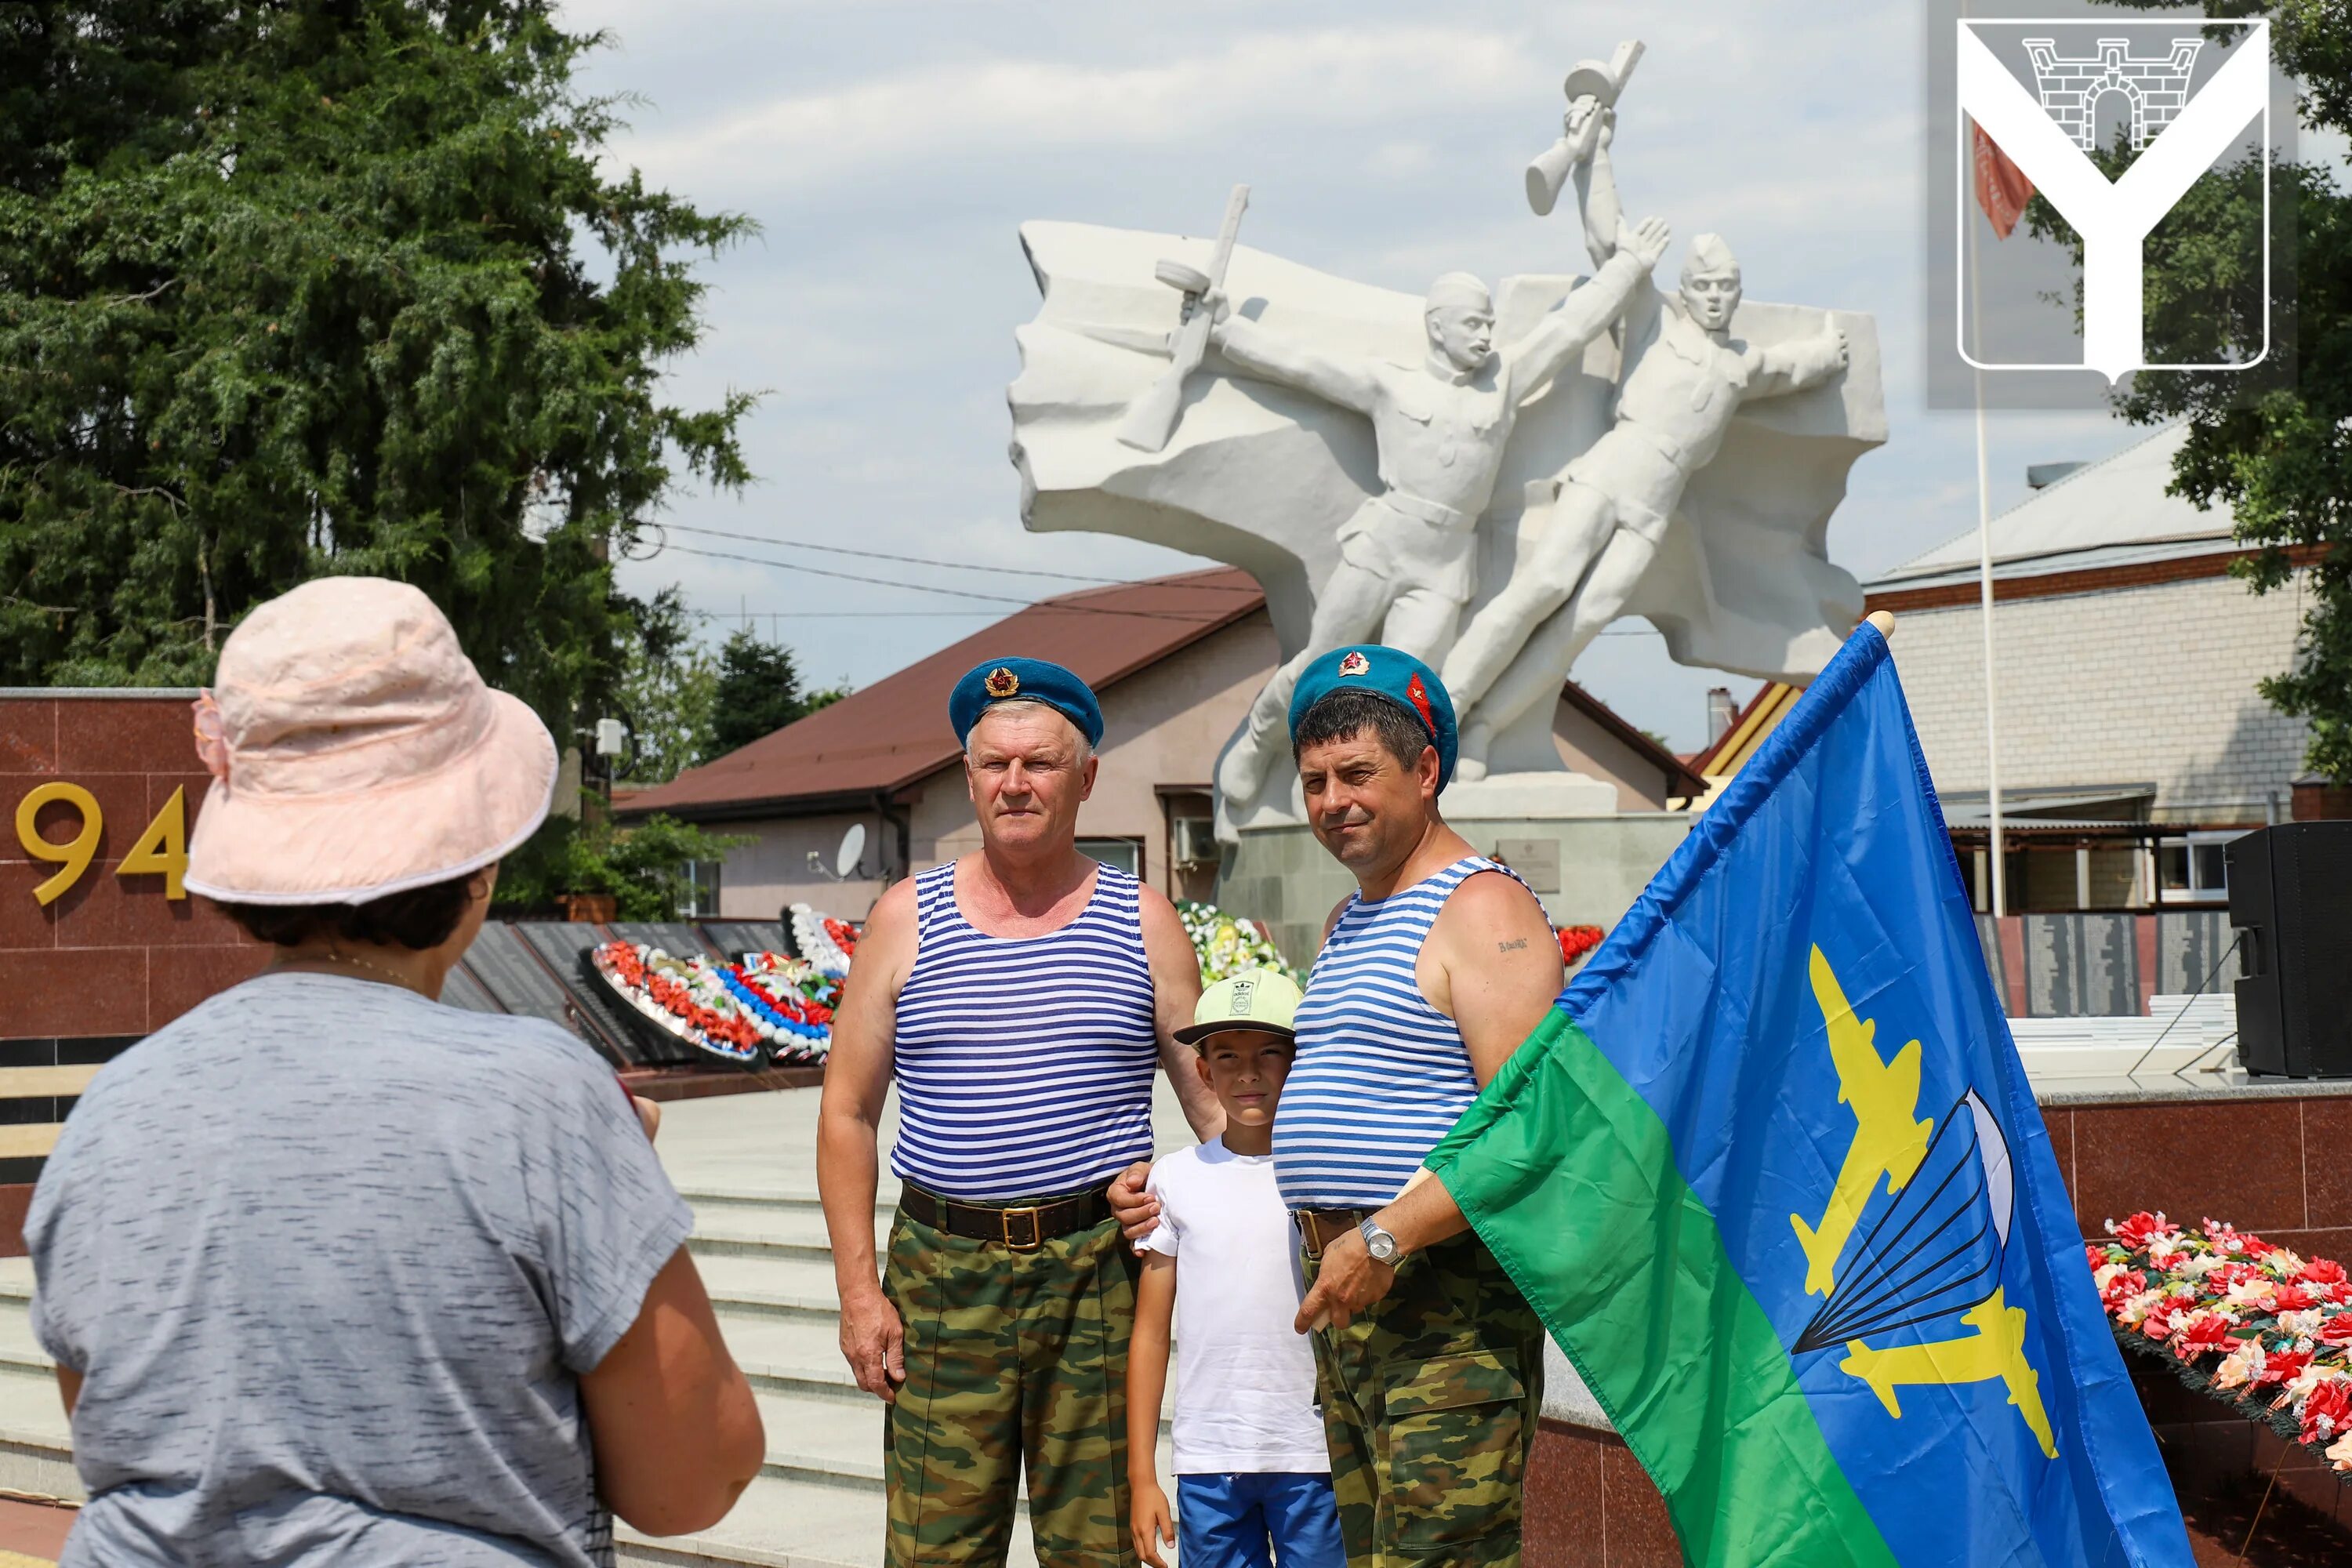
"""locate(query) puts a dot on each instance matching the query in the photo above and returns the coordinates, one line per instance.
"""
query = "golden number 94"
(162, 849)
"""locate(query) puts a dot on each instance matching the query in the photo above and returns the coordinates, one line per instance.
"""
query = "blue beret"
(1390, 673)
(994, 680)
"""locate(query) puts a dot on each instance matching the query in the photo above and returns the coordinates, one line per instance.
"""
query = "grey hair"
(1086, 747)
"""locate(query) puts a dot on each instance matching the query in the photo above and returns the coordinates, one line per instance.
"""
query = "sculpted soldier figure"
(1683, 376)
(1407, 555)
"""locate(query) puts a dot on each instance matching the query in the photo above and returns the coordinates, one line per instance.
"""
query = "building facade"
(2134, 739)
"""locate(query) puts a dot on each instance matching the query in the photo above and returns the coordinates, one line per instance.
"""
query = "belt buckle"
(1310, 1231)
(1005, 1218)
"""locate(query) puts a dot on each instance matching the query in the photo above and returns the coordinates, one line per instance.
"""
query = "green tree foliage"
(643, 865)
(759, 692)
(2274, 445)
(306, 287)
(667, 695)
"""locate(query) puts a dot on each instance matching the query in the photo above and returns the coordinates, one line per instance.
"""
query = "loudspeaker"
(2290, 900)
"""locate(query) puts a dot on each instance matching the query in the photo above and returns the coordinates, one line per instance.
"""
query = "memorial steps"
(818, 1501)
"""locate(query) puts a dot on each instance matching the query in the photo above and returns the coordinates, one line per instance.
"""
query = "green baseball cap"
(1263, 999)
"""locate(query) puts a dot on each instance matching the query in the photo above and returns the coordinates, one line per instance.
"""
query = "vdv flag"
(1773, 1177)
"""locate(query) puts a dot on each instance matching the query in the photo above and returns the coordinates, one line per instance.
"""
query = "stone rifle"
(1151, 418)
(1600, 84)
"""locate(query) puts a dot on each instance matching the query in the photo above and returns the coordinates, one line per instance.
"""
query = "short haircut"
(419, 919)
(1349, 711)
(1078, 759)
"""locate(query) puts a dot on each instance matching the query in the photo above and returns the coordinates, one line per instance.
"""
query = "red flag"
(2002, 189)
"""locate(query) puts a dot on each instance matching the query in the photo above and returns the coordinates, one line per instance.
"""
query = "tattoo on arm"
(1511, 946)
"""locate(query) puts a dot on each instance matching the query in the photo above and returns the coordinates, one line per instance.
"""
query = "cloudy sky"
(890, 149)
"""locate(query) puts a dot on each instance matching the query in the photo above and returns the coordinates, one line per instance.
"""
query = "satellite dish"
(852, 850)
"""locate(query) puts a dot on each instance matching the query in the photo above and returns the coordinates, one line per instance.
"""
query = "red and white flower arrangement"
(823, 940)
(1576, 942)
(685, 996)
(2257, 1327)
(771, 1005)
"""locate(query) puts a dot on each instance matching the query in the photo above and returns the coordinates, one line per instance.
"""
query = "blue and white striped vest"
(1023, 1065)
(1381, 1075)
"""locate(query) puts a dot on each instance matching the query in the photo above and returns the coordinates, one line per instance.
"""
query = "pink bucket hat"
(355, 753)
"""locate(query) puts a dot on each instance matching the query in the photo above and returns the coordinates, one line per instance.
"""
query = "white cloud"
(1350, 76)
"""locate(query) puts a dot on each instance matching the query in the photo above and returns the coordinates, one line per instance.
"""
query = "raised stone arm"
(1596, 192)
(1588, 312)
(1268, 355)
(1793, 367)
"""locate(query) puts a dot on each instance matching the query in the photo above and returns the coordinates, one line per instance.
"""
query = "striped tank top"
(1024, 1064)
(1381, 1075)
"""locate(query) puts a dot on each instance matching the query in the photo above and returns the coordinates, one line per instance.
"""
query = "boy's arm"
(1150, 1519)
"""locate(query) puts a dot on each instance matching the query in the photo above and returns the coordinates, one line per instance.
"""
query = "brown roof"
(1680, 779)
(895, 731)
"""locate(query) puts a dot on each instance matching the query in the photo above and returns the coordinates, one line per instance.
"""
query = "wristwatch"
(1378, 1242)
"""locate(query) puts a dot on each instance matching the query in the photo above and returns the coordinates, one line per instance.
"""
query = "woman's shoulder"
(350, 1027)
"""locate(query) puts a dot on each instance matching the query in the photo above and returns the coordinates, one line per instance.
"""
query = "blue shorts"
(1229, 1520)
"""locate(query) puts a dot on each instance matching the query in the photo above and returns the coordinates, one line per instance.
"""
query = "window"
(702, 890)
(1127, 854)
(2195, 869)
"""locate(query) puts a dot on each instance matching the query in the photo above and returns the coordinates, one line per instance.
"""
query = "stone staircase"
(747, 1164)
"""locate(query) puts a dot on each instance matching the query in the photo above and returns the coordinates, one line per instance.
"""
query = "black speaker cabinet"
(2290, 900)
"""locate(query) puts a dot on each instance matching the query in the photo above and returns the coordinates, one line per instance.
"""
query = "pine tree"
(329, 286)
(758, 692)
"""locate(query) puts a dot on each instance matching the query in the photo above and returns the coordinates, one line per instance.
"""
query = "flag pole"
(1984, 574)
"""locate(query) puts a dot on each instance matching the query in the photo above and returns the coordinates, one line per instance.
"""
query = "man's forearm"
(1423, 1215)
(848, 1167)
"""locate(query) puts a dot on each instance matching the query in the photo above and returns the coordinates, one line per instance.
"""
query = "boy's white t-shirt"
(1244, 1379)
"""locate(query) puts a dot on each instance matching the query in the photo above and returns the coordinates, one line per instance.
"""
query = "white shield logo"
(2048, 134)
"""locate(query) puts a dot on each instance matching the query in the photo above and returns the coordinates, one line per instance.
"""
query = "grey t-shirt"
(331, 1258)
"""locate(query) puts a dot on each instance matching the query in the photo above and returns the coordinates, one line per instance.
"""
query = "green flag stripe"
(1569, 1178)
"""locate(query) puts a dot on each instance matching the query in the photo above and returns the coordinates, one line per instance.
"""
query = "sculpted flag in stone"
(1272, 467)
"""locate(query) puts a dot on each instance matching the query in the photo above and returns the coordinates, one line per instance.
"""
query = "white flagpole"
(1984, 569)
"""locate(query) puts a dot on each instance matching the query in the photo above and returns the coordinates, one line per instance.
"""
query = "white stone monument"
(1488, 484)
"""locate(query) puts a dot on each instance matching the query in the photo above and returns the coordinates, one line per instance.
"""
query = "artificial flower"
(2328, 1411)
(2141, 1229)
(2199, 1333)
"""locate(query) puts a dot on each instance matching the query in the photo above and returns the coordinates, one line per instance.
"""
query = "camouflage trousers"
(1430, 1405)
(1014, 1360)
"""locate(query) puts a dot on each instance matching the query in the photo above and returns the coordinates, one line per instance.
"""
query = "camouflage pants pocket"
(1457, 1447)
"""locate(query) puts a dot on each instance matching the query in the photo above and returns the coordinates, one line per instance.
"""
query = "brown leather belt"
(1023, 1227)
(1319, 1228)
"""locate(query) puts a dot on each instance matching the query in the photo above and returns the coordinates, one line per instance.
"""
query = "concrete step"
(801, 1199)
(784, 1234)
(789, 1525)
(769, 1286)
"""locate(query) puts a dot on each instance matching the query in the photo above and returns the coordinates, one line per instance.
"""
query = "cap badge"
(1245, 998)
(1354, 664)
(1002, 682)
(1419, 694)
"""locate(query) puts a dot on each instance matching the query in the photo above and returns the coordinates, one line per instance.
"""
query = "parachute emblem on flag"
(1937, 1249)
(1933, 1251)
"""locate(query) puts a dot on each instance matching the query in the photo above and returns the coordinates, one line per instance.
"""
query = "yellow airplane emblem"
(1997, 1350)
(1887, 1141)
